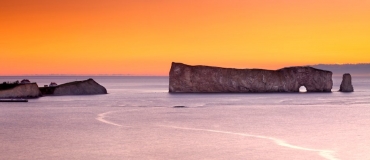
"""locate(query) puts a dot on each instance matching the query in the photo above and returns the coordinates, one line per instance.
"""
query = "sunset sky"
(143, 37)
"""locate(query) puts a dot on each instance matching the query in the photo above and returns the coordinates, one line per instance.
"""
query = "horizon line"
(112, 75)
(159, 75)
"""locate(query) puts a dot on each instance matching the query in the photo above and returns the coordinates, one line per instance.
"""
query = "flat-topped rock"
(205, 79)
(28, 90)
(86, 87)
(346, 85)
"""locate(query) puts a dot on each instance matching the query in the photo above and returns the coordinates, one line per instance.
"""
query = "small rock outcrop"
(86, 87)
(205, 79)
(346, 85)
(27, 90)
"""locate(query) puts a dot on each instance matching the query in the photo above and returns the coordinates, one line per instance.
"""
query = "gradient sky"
(143, 37)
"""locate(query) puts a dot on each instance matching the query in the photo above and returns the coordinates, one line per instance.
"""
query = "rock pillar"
(346, 85)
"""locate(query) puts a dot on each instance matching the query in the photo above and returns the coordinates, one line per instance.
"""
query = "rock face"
(87, 87)
(29, 90)
(346, 85)
(205, 79)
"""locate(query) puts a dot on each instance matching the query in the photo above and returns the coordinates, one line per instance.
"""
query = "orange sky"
(143, 37)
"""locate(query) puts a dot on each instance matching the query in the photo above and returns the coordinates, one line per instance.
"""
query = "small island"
(25, 89)
(17, 90)
(86, 87)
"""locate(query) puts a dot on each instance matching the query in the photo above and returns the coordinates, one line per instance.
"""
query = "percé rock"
(86, 87)
(29, 90)
(205, 79)
(346, 85)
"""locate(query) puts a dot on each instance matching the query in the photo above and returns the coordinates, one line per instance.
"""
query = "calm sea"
(137, 120)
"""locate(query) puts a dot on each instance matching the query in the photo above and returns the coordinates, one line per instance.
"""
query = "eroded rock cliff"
(86, 87)
(205, 79)
(30, 90)
(346, 85)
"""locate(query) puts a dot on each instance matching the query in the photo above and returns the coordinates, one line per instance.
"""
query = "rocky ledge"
(29, 90)
(86, 87)
(205, 79)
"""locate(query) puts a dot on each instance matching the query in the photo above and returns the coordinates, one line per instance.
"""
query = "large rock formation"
(346, 85)
(206, 79)
(86, 87)
(29, 90)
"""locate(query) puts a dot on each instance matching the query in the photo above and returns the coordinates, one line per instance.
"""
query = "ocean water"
(137, 120)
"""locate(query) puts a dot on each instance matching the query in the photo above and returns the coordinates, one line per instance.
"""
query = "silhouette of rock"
(205, 79)
(27, 90)
(346, 85)
(86, 87)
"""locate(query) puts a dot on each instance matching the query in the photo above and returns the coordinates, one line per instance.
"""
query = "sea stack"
(346, 85)
(205, 79)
